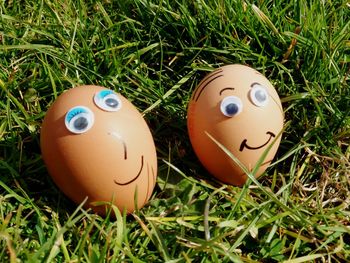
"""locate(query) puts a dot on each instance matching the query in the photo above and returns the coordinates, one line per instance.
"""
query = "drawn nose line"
(122, 141)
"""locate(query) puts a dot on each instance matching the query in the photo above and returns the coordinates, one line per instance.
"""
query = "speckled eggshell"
(115, 160)
(246, 135)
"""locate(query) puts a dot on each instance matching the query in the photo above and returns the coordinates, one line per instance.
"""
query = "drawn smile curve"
(135, 178)
(245, 145)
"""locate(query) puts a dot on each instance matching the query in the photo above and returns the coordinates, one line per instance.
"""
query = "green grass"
(155, 53)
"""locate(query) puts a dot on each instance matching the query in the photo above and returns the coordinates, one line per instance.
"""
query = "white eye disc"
(259, 95)
(79, 119)
(107, 100)
(231, 106)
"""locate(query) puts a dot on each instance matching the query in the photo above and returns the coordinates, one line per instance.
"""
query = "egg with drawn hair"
(238, 107)
(96, 144)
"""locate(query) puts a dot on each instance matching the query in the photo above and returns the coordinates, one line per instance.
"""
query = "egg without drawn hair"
(96, 144)
(240, 108)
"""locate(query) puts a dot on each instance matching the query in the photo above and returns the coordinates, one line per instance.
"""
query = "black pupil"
(231, 109)
(110, 102)
(260, 95)
(80, 123)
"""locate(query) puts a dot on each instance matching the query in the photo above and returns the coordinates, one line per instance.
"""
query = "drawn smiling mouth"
(135, 178)
(245, 145)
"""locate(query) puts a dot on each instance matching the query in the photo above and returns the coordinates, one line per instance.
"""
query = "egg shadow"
(175, 153)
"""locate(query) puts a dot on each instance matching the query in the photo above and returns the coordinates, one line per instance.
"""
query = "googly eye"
(259, 95)
(231, 106)
(79, 119)
(107, 100)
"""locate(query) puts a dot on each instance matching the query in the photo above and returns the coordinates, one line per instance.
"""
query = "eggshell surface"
(240, 108)
(96, 144)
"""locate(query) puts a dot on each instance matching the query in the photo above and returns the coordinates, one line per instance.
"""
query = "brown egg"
(240, 108)
(96, 144)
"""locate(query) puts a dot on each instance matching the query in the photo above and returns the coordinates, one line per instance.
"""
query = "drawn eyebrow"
(254, 83)
(213, 74)
(228, 88)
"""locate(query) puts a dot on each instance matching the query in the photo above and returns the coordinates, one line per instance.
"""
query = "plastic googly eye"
(231, 106)
(259, 95)
(107, 100)
(79, 119)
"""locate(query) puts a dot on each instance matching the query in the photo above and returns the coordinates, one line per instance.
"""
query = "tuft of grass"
(155, 53)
